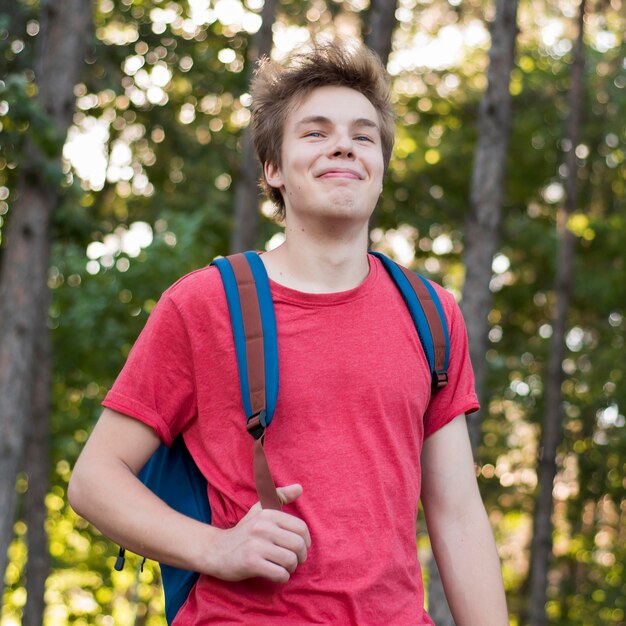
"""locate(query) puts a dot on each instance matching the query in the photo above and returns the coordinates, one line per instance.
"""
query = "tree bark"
(541, 548)
(482, 228)
(378, 35)
(37, 468)
(24, 271)
(382, 21)
(246, 196)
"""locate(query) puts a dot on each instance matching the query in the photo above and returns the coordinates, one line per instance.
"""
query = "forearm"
(469, 566)
(459, 529)
(127, 512)
(104, 489)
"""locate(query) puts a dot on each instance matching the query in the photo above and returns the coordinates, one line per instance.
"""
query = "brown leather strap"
(432, 317)
(265, 487)
(253, 330)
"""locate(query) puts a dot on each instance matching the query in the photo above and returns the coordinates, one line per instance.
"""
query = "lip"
(339, 172)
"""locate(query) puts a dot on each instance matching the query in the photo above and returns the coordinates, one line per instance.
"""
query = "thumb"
(252, 511)
(289, 493)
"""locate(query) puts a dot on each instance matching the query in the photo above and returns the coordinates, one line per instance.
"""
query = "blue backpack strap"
(249, 298)
(251, 309)
(427, 313)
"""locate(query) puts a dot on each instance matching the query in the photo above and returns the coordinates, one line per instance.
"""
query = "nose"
(342, 146)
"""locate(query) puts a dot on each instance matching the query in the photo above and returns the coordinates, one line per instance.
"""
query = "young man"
(356, 431)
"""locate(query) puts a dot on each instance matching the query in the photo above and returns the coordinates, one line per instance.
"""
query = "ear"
(273, 175)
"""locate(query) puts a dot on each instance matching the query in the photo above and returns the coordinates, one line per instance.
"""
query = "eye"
(315, 134)
(364, 138)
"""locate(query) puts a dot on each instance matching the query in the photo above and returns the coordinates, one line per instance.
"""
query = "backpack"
(172, 474)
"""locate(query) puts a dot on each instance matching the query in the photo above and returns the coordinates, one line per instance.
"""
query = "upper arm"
(448, 474)
(118, 438)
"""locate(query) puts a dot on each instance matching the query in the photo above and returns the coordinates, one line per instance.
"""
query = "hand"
(264, 543)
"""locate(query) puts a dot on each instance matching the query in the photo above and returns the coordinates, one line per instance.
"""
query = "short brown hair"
(277, 88)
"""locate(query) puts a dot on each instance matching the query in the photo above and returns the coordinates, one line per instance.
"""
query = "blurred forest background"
(125, 163)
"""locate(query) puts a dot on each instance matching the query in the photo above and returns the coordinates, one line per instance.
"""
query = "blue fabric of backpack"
(172, 474)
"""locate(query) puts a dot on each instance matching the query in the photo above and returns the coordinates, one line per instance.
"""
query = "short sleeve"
(157, 383)
(459, 395)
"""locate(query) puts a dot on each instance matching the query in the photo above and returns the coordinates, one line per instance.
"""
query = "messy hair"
(276, 89)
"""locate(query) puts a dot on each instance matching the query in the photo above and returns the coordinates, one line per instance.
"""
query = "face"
(332, 161)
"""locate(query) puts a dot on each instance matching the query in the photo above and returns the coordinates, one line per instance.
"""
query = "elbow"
(75, 493)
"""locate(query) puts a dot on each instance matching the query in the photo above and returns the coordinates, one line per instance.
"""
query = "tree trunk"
(541, 548)
(482, 228)
(246, 196)
(382, 21)
(24, 271)
(378, 35)
(37, 468)
(24, 275)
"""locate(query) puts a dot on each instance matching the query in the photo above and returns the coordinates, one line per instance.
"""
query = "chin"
(349, 212)
(343, 202)
(341, 206)
(348, 206)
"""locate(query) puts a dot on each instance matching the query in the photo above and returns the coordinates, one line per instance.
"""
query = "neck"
(318, 259)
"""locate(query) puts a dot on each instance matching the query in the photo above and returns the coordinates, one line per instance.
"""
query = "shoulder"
(193, 300)
(449, 305)
(200, 285)
(457, 329)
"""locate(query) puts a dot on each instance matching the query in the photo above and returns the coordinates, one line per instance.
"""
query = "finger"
(253, 510)
(282, 529)
(294, 543)
(275, 573)
(294, 525)
(283, 557)
(289, 493)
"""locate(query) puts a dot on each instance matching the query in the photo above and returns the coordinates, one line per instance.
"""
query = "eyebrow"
(321, 119)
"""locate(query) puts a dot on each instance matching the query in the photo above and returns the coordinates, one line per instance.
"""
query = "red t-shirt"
(353, 411)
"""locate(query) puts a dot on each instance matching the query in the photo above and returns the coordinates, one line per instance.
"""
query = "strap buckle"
(256, 424)
(440, 380)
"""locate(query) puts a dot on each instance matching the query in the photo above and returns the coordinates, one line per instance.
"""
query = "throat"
(313, 270)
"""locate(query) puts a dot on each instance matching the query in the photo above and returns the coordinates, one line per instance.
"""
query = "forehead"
(338, 104)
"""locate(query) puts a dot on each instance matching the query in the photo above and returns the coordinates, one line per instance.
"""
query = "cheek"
(378, 169)
(302, 163)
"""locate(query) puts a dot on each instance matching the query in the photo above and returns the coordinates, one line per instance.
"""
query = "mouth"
(340, 173)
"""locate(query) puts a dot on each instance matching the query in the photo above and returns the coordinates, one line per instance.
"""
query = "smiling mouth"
(349, 174)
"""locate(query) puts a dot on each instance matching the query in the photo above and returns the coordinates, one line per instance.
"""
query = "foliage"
(161, 111)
